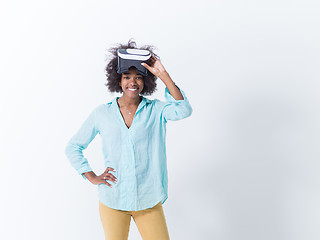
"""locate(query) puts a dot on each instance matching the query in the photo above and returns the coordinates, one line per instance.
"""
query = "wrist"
(90, 175)
(164, 76)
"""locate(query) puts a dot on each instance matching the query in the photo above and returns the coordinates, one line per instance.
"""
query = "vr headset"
(132, 57)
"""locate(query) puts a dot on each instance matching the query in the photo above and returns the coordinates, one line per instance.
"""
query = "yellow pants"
(150, 222)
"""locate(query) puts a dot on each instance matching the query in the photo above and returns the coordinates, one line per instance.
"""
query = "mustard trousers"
(150, 222)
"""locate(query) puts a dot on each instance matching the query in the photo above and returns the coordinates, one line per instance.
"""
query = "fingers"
(146, 66)
(105, 182)
(110, 177)
(153, 60)
(110, 169)
(150, 62)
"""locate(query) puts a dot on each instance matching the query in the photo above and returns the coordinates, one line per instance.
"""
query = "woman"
(133, 132)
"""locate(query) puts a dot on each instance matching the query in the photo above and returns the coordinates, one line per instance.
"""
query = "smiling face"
(131, 82)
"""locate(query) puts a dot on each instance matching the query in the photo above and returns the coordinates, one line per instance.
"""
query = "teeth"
(132, 89)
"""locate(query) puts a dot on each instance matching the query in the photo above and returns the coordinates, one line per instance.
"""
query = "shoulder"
(101, 107)
(104, 106)
(158, 104)
(152, 102)
(149, 101)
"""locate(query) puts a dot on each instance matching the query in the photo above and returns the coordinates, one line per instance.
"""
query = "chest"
(128, 115)
(116, 123)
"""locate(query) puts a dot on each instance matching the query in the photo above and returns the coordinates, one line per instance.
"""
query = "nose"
(133, 79)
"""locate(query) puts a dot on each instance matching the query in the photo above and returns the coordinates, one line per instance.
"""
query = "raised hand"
(156, 67)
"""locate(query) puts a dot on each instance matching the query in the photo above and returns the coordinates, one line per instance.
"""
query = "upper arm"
(80, 141)
(173, 109)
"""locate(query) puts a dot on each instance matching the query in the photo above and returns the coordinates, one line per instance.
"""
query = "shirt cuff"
(84, 170)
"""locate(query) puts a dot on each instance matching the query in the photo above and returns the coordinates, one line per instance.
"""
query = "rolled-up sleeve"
(173, 109)
(79, 142)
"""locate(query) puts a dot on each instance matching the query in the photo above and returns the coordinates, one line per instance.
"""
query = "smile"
(132, 89)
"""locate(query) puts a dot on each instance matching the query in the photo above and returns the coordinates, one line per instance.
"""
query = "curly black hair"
(114, 78)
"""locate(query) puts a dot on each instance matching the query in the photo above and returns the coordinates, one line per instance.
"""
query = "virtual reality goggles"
(132, 57)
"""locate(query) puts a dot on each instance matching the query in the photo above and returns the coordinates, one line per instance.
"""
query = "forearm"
(174, 91)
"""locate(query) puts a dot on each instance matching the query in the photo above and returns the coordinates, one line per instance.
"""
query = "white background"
(243, 166)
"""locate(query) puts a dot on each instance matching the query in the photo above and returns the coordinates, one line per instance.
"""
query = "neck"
(128, 101)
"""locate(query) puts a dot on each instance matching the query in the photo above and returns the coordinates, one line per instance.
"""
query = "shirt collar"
(143, 102)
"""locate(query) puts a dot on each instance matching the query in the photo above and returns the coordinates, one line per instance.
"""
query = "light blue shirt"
(138, 153)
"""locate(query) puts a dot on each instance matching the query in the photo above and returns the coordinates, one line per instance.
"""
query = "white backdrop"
(244, 165)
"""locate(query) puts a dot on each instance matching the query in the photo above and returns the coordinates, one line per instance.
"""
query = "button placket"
(130, 137)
